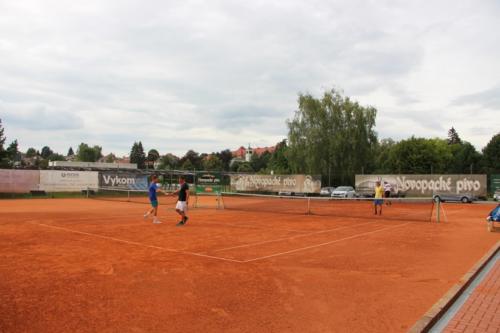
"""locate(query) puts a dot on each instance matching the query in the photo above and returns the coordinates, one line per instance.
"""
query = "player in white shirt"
(387, 193)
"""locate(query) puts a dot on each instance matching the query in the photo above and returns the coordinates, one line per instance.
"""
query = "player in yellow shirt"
(379, 195)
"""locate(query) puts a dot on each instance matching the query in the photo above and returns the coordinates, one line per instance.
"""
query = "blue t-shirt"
(152, 192)
(495, 214)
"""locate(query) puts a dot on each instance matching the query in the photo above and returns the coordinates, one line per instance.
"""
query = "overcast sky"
(210, 75)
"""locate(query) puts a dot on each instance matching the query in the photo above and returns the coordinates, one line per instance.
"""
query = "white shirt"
(387, 187)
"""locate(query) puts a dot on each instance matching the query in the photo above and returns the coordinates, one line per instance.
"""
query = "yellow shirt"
(379, 192)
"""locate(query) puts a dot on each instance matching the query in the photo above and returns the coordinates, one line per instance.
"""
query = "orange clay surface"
(81, 265)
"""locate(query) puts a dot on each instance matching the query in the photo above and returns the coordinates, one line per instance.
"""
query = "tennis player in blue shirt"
(493, 217)
(153, 199)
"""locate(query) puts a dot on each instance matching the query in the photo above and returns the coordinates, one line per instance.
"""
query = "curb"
(435, 313)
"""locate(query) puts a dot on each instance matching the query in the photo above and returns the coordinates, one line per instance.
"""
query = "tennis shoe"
(155, 221)
(185, 220)
(180, 223)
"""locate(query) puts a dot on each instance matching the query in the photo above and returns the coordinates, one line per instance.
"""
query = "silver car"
(326, 191)
(344, 192)
(461, 197)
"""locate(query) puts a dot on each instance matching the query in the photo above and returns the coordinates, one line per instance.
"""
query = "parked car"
(344, 192)
(326, 191)
(288, 193)
(461, 197)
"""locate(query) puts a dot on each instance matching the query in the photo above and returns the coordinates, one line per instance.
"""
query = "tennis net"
(412, 209)
(126, 195)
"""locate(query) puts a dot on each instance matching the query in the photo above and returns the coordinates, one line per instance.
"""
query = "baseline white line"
(136, 243)
(327, 243)
(291, 237)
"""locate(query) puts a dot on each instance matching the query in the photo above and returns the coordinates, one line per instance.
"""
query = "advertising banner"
(276, 183)
(19, 181)
(123, 180)
(209, 182)
(495, 183)
(68, 181)
(424, 185)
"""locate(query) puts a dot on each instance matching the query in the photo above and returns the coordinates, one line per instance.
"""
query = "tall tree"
(212, 163)
(31, 152)
(332, 135)
(419, 156)
(453, 137)
(70, 152)
(491, 155)
(137, 155)
(260, 162)
(2, 140)
(279, 162)
(85, 153)
(194, 158)
(225, 156)
(169, 162)
(46, 152)
(465, 158)
(12, 152)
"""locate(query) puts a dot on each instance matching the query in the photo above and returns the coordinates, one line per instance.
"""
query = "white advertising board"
(68, 181)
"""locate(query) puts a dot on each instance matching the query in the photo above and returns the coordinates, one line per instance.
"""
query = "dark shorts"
(154, 203)
(378, 202)
(387, 194)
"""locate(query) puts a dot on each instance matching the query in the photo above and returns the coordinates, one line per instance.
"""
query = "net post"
(88, 190)
(438, 215)
(308, 205)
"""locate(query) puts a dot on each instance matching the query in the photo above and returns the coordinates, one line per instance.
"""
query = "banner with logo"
(19, 181)
(424, 185)
(123, 180)
(209, 182)
(276, 183)
(67, 181)
(494, 183)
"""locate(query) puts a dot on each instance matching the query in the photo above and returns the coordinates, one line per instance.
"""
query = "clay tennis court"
(83, 265)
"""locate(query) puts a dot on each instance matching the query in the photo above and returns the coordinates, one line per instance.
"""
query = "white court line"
(291, 237)
(135, 243)
(327, 243)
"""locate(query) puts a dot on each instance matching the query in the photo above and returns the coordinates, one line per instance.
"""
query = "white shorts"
(181, 205)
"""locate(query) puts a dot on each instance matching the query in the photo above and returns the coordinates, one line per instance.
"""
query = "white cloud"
(214, 75)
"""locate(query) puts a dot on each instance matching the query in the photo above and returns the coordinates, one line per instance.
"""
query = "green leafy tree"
(169, 162)
(85, 153)
(70, 152)
(2, 141)
(187, 165)
(279, 162)
(46, 152)
(245, 167)
(332, 133)
(382, 153)
(420, 156)
(212, 163)
(453, 137)
(110, 158)
(225, 156)
(196, 161)
(31, 152)
(13, 152)
(56, 157)
(137, 155)
(491, 155)
(465, 158)
(260, 162)
(153, 155)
